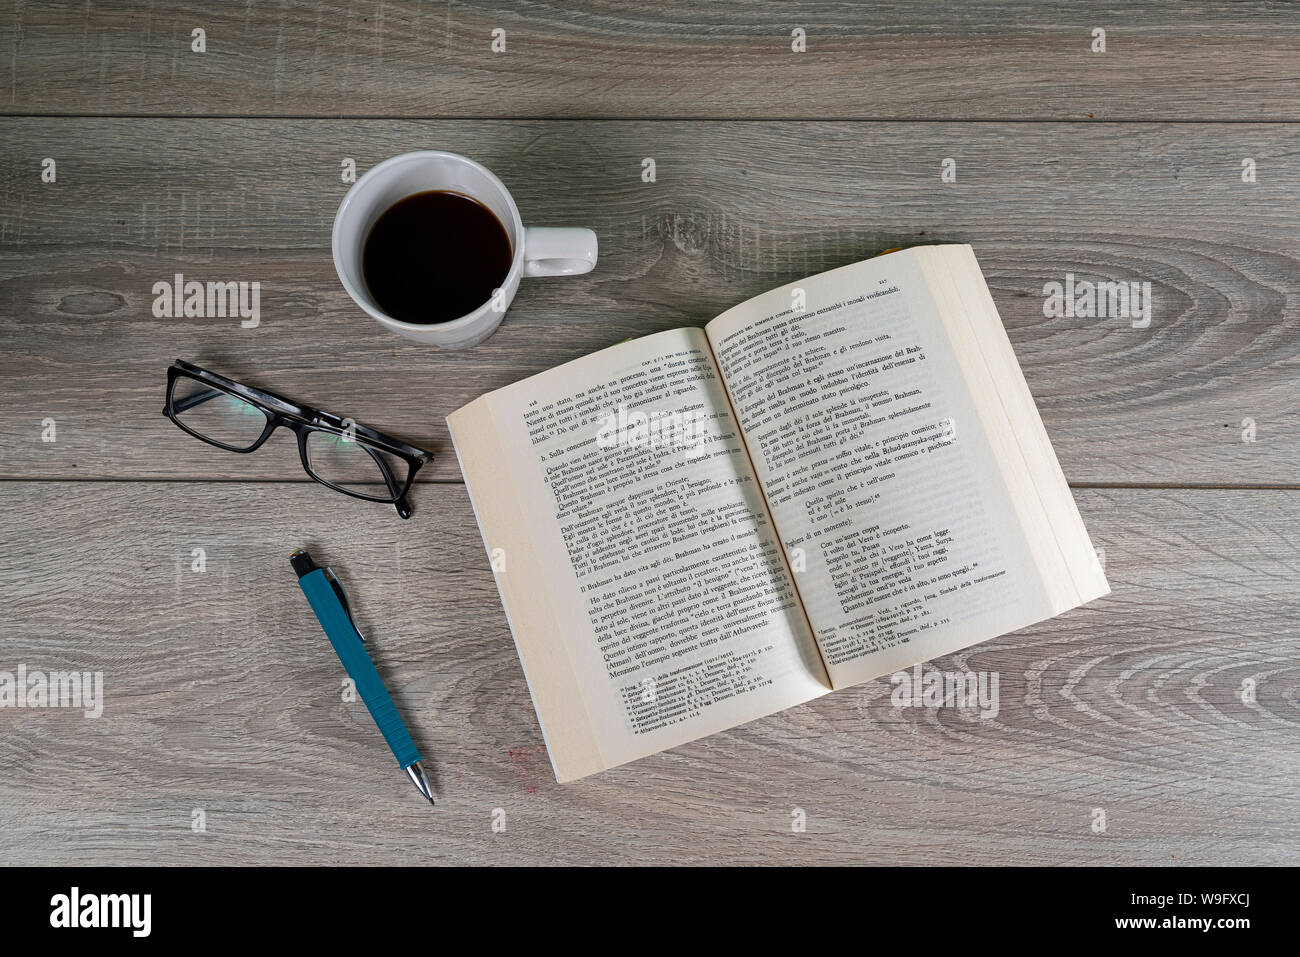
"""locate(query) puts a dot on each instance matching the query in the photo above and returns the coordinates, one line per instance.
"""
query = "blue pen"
(330, 603)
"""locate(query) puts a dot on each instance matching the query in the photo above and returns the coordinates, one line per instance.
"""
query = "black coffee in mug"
(435, 256)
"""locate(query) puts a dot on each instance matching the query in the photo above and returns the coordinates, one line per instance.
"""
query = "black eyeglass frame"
(302, 420)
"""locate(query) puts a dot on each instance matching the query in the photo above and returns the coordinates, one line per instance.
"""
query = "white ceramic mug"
(537, 251)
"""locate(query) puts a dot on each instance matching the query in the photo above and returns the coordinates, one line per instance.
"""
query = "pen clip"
(343, 597)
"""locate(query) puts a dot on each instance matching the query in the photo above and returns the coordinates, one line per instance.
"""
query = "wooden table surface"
(1168, 711)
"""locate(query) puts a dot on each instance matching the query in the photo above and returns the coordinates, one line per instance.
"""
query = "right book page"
(904, 463)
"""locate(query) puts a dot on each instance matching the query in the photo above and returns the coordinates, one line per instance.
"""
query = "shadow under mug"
(537, 251)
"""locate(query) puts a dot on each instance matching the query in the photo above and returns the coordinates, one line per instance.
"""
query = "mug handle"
(559, 251)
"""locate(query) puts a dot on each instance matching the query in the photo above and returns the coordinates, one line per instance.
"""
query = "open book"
(828, 483)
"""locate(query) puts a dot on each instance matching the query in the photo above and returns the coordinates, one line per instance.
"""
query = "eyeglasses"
(338, 453)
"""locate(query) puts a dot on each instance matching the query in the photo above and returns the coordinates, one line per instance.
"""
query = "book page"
(641, 574)
(908, 535)
(1063, 553)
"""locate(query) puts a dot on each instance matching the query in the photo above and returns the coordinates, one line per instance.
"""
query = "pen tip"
(416, 774)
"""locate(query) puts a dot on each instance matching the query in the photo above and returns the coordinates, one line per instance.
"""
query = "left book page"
(649, 598)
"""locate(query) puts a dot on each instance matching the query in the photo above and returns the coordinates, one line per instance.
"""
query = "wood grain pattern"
(736, 208)
(992, 59)
(221, 694)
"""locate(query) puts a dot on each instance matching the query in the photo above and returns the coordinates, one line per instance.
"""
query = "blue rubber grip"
(352, 652)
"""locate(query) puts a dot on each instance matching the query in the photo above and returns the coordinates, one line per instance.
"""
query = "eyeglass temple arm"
(198, 398)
